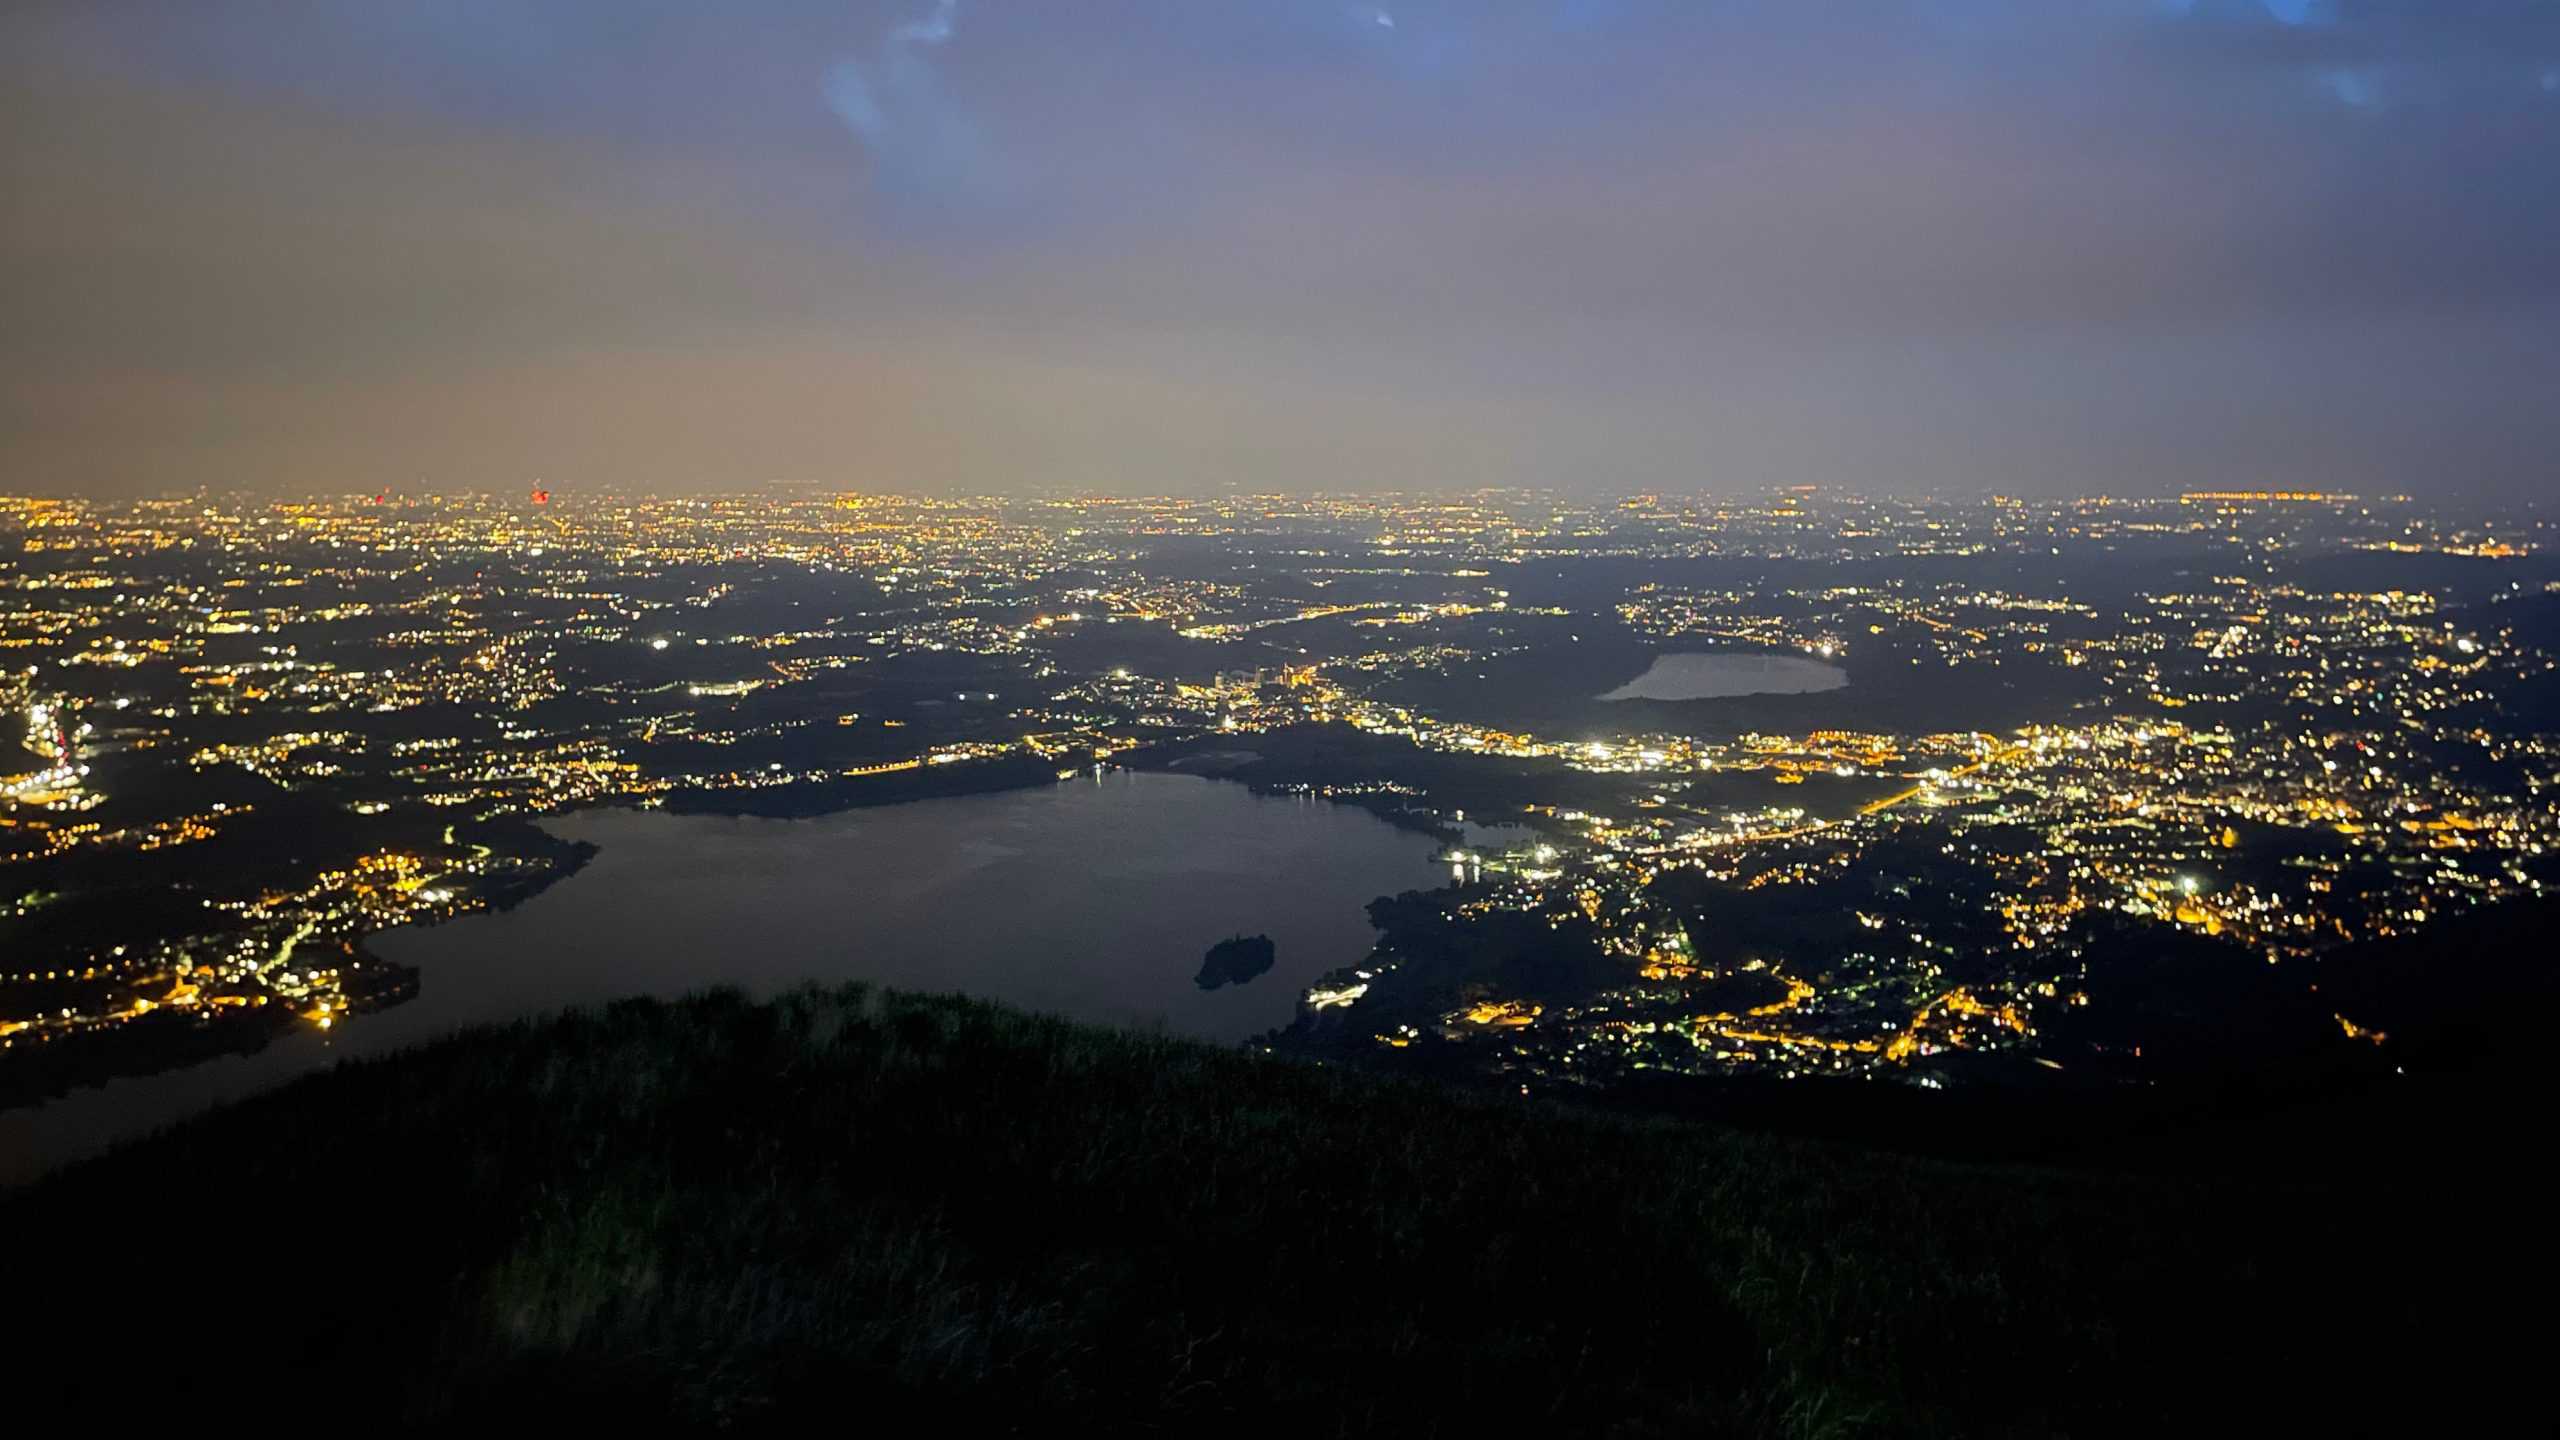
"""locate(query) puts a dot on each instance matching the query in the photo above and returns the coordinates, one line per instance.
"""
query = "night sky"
(1183, 245)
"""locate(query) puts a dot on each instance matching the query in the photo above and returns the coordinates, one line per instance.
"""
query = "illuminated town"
(2014, 735)
(1324, 718)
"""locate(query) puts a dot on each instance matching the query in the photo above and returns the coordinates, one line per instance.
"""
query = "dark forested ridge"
(842, 1205)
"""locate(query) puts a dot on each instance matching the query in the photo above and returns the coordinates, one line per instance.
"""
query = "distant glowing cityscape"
(255, 734)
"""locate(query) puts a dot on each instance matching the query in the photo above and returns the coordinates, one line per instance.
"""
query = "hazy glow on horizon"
(1148, 245)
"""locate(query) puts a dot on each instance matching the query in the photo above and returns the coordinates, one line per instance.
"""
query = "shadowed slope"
(859, 1206)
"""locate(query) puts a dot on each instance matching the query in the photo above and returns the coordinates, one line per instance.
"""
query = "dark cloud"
(1155, 244)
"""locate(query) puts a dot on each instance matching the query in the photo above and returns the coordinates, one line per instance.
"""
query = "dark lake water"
(1094, 898)
(1717, 676)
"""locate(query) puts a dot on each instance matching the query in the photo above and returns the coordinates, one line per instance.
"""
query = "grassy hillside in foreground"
(868, 1209)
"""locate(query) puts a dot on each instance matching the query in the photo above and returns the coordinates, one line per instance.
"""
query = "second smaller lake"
(1696, 676)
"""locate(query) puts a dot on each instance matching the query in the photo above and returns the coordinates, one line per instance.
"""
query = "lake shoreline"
(965, 895)
(1686, 675)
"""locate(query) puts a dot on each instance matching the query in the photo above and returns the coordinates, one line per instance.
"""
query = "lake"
(1694, 676)
(1095, 898)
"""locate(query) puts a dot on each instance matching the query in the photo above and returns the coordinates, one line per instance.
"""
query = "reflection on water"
(1096, 899)
(1718, 677)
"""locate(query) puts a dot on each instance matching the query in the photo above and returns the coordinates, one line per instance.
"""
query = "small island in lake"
(1236, 959)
